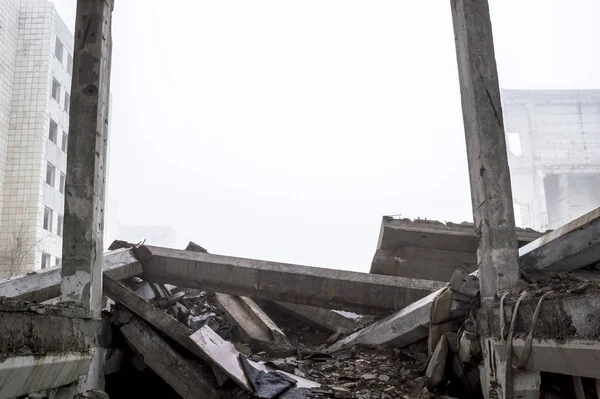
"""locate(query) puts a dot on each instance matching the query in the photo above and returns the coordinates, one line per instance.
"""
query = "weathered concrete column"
(491, 193)
(84, 208)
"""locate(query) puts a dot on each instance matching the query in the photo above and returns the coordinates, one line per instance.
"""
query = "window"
(514, 143)
(67, 102)
(50, 172)
(58, 50)
(59, 226)
(58, 261)
(48, 219)
(61, 184)
(63, 145)
(56, 90)
(69, 63)
(53, 131)
(45, 260)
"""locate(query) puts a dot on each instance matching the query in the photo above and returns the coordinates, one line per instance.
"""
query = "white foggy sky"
(284, 130)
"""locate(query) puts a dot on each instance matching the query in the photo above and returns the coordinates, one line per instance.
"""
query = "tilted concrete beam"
(328, 288)
(318, 317)
(570, 247)
(185, 378)
(254, 326)
(20, 375)
(44, 285)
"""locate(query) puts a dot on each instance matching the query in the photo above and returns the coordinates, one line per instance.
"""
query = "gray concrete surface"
(327, 288)
(491, 193)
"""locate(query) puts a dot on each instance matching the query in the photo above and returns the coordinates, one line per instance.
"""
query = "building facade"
(553, 138)
(36, 62)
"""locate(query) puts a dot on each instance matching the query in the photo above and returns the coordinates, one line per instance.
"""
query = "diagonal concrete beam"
(21, 375)
(184, 377)
(570, 247)
(44, 285)
(328, 288)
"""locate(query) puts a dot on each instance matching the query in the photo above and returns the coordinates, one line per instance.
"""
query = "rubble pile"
(356, 372)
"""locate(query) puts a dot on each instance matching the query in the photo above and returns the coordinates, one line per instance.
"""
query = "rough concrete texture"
(20, 375)
(254, 327)
(568, 356)
(86, 168)
(429, 249)
(562, 316)
(160, 320)
(44, 285)
(187, 379)
(525, 383)
(570, 247)
(491, 193)
(35, 333)
(328, 288)
(320, 318)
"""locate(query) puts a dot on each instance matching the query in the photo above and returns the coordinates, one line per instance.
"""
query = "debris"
(265, 384)
(437, 364)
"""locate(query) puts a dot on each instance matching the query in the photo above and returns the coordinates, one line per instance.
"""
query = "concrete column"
(491, 193)
(82, 244)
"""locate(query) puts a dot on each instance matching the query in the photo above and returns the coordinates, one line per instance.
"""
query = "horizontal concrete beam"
(44, 285)
(570, 247)
(21, 375)
(398, 233)
(43, 330)
(578, 357)
(327, 288)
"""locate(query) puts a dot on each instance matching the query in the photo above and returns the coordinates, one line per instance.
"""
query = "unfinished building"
(470, 310)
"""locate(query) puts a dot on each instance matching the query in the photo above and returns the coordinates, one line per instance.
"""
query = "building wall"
(554, 154)
(9, 23)
(23, 239)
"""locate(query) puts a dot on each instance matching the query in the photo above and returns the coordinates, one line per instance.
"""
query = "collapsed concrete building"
(468, 310)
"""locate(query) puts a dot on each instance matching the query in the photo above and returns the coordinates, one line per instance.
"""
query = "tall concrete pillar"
(491, 193)
(86, 165)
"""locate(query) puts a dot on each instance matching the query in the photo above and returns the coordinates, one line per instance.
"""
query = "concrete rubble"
(203, 342)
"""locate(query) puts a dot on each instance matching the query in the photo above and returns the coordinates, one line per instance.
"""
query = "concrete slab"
(254, 326)
(327, 288)
(577, 357)
(186, 379)
(320, 318)
(163, 322)
(402, 233)
(44, 285)
(425, 263)
(228, 358)
(20, 375)
(570, 247)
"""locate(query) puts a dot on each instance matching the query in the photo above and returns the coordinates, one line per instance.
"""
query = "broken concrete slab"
(573, 356)
(425, 263)
(440, 321)
(328, 288)
(227, 358)
(400, 233)
(44, 285)
(437, 364)
(20, 375)
(320, 318)
(570, 247)
(186, 379)
(254, 326)
(428, 249)
(163, 322)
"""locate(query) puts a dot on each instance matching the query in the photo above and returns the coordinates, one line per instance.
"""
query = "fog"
(285, 130)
